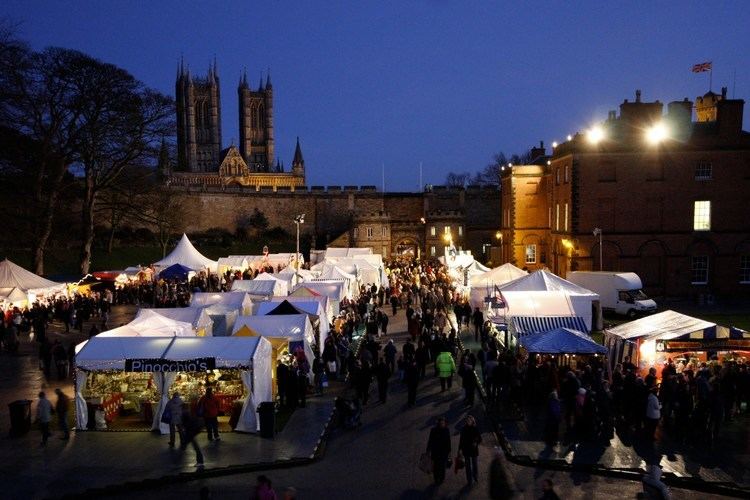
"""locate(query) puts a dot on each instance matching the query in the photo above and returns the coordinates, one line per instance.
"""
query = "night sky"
(445, 83)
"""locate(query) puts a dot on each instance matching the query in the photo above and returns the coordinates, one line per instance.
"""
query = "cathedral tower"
(198, 120)
(256, 124)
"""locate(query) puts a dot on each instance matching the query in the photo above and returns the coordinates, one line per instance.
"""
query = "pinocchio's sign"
(166, 365)
(703, 345)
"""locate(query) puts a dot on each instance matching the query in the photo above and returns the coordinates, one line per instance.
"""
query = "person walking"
(478, 320)
(446, 367)
(468, 444)
(552, 423)
(191, 428)
(208, 407)
(389, 353)
(653, 413)
(43, 416)
(174, 407)
(318, 369)
(263, 489)
(439, 449)
(469, 380)
(61, 408)
(282, 379)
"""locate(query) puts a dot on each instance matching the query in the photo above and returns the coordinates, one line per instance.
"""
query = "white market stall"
(311, 307)
(335, 289)
(222, 318)
(285, 332)
(257, 290)
(198, 318)
(21, 287)
(142, 373)
(186, 255)
(232, 263)
(150, 324)
(281, 286)
(325, 303)
(312, 289)
(483, 285)
(240, 301)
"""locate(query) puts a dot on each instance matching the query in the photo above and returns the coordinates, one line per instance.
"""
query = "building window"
(745, 269)
(447, 230)
(486, 248)
(557, 175)
(703, 171)
(460, 230)
(369, 233)
(702, 216)
(385, 232)
(385, 251)
(433, 231)
(566, 175)
(549, 217)
(356, 233)
(699, 270)
(557, 216)
(566, 217)
(432, 251)
(531, 254)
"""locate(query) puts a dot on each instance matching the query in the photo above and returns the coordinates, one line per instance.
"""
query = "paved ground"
(375, 461)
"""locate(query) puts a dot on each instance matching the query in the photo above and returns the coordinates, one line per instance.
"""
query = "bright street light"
(657, 133)
(299, 219)
(554, 144)
(595, 134)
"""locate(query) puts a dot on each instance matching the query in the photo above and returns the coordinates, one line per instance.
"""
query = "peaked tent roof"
(284, 308)
(304, 291)
(151, 324)
(544, 280)
(187, 255)
(499, 275)
(665, 325)
(176, 271)
(561, 341)
(14, 276)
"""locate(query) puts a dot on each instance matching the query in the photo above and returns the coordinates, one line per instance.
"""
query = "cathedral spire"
(298, 161)
(268, 80)
(260, 86)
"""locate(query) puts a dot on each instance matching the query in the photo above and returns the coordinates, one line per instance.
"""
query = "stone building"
(669, 195)
(200, 157)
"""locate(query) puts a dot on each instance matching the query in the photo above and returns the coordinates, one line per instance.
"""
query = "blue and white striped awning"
(524, 325)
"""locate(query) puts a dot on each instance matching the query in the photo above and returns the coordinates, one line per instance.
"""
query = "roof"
(293, 326)
(525, 325)
(279, 308)
(14, 276)
(665, 325)
(544, 280)
(229, 352)
(255, 286)
(187, 255)
(498, 276)
(194, 315)
(561, 341)
(149, 323)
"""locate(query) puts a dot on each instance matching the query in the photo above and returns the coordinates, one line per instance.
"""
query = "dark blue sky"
(394, 83)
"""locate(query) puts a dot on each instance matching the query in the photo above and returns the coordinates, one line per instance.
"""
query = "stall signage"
(704, 344)
(166, 365)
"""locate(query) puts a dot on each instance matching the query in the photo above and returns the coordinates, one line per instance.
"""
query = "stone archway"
(406, 247)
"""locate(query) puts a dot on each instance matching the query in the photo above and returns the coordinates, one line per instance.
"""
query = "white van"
(618, 292)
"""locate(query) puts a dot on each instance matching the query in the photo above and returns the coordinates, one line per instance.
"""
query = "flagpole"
(711, 78)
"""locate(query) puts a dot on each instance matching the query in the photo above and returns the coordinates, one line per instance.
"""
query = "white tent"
(335, 291)
(150, 324)
(198, 318)
(347, 252)
(233, 263)
(294, 328)
(26, 283)
(312, 307)
(222, 318)
(324, 301)
(483, 285)
(281, 286)
(239, 301)
(251, 355)
(538, 312)
(543, 280)
(363, 270)
(258, 290)
(287, 274)
(185, 254)
(336, 273)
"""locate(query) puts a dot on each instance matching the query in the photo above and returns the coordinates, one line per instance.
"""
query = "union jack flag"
(702, 67)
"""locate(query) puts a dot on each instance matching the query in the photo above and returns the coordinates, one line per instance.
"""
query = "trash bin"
(20, 417)
(267, 417)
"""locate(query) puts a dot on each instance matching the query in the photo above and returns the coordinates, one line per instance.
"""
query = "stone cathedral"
(200, 157)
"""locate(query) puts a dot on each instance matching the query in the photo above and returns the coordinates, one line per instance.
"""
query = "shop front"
(125, 383)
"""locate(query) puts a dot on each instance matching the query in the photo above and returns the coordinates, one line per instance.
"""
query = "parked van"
(618, 292)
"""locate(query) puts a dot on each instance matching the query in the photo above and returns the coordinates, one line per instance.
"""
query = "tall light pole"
(300, 219)
(598, 232)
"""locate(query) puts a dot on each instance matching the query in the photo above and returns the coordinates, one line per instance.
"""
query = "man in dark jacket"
(439, 448)
(382, 373)
(282, 378)
(478, 320)
(192, 427)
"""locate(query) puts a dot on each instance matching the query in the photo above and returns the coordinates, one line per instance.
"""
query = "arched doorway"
(407, 248)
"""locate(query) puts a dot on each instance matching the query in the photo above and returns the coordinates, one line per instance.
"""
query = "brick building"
(669, 195)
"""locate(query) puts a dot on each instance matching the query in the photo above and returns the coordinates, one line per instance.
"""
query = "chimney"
(537, 154)
(723, 92)
(638, 96)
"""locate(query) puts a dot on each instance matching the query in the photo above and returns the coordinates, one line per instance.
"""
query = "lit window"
(356, 233)
(385, 251)
(549, 217)
(447, 230)
(557, 175)
(460, 230)
(369, 232)
(567, 177)
(557, 216)
(433, 231)
(703, 171)
(385, 231)
(531, 254)
(699, 270)
(702, 216)
(566, 217)
(432, 250)
(745, 269)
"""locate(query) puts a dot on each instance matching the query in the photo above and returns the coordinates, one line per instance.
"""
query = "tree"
(39, 101)
(122, 124)
(457, 180)
(163, 208)
(251, 224)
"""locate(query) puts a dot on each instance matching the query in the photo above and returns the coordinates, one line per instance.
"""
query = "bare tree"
(457, 180)
(164, 209)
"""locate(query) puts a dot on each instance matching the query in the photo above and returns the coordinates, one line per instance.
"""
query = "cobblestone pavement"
(379, 459)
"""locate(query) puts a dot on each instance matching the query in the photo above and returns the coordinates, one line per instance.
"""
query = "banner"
(166, 365)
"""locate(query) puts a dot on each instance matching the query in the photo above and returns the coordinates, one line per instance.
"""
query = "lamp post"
(300, 219)
(598, 232)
